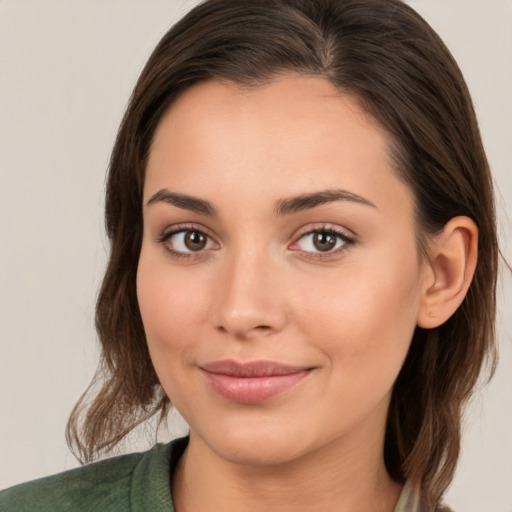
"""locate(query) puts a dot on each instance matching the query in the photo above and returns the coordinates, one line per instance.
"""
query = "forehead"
(286, 137)
(296, 107)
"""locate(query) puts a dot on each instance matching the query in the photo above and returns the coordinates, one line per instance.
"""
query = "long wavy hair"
(386, 55)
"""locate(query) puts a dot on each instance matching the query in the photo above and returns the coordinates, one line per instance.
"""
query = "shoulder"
(96, 485)
(412, 500)
(111, 484)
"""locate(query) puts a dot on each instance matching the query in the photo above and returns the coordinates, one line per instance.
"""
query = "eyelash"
(346, 240)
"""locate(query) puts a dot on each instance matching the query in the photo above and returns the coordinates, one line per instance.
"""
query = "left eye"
(189, 241)
(321, 241)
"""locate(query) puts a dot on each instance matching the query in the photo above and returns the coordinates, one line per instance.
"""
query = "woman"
(303, 262)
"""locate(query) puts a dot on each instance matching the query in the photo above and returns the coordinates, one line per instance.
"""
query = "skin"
(261, 290)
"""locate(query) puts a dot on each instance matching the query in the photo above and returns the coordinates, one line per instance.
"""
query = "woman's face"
(279, 280)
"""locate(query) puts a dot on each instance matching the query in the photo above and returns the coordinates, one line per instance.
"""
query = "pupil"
(195, 241)
(324, 241)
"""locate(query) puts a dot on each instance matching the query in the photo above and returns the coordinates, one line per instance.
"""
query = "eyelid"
(182, 226)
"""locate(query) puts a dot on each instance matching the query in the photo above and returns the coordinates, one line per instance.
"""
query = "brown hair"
(386, 55)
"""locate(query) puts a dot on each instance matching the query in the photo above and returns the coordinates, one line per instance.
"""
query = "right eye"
(186, 242)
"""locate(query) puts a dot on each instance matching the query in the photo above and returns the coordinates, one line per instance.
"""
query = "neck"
(332, 478)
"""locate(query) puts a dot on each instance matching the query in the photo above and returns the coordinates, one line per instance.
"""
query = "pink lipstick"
(251, 382)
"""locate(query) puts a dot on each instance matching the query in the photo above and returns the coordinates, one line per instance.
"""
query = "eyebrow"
(308, 201)
(184, 201)
(282, 207)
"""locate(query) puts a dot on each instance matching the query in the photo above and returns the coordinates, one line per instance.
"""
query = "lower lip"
(251, 390)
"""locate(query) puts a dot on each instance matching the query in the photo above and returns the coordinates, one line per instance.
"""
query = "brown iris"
(195, 241)
(324, 241)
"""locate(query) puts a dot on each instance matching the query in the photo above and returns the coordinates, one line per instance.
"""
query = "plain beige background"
(66, 71)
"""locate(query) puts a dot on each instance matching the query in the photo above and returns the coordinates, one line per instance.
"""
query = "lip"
(251, 382)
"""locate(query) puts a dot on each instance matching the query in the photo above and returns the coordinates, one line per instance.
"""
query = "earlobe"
(451, 266)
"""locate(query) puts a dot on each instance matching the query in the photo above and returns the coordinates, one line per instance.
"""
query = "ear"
(448, 271)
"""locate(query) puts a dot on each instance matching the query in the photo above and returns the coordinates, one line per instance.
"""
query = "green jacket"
(139, 482)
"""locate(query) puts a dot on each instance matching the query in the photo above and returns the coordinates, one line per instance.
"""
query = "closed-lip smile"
(251, 382)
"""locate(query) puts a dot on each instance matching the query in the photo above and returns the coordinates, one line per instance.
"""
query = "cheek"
(173, 308)
(364, 318)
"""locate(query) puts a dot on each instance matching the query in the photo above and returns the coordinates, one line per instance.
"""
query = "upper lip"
(251, 369)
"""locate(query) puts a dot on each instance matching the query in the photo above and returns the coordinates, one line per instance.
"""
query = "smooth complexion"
(277, 235)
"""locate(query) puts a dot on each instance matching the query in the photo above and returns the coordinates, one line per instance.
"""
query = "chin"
(259, 445)
(256, 452)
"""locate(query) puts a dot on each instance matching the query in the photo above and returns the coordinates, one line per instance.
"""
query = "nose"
(251, 298)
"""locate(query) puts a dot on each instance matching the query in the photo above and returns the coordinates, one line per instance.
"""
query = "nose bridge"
(250, 298)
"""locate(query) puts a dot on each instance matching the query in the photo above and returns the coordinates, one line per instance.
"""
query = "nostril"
(241, 333)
